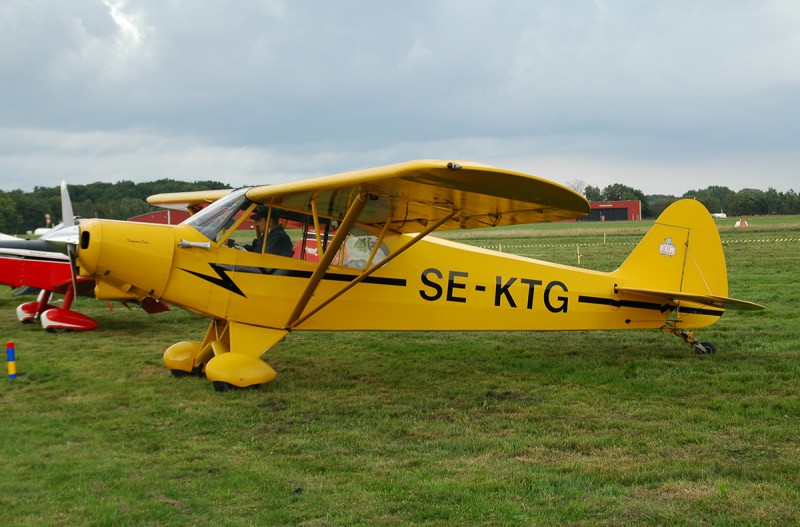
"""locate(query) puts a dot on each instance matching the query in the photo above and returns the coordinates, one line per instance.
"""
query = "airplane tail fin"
(680, 262)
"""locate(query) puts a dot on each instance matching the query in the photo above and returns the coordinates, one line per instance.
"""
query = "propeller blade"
(66, 241)
(72, 252)
(67, 216)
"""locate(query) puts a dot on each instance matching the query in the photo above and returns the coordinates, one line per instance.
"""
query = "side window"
(359, 246)
(307, 245)
(355, 252)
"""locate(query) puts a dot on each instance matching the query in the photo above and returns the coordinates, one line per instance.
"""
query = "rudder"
(682, 252)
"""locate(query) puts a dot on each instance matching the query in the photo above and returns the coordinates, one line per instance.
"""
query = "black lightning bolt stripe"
(647, 305)
(336, 277)
(223, 280)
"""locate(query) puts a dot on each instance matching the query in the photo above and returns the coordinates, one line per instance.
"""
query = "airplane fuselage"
(435, 285)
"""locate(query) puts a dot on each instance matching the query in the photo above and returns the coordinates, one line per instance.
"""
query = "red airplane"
(35, 264)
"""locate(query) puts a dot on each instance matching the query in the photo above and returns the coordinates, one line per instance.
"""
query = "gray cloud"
(276, 90)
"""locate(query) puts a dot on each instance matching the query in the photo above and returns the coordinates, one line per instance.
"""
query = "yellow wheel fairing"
(239, 370)
(181, 355)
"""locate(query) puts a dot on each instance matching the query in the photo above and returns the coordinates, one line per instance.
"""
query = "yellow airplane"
(365, 260)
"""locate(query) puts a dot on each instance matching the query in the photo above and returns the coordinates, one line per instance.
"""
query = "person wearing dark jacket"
(278, 242)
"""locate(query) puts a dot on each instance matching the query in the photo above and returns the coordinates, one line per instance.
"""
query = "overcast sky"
(661, 96)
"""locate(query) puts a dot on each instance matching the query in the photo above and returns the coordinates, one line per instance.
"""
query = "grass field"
(555, 428)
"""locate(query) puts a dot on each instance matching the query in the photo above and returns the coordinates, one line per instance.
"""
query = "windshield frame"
(220, 215)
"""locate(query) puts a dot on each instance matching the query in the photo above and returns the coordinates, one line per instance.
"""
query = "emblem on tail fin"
(667, 248)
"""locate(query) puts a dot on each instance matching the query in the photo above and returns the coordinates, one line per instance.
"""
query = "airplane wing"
(721, 302)
(414, 194)
(191, 201)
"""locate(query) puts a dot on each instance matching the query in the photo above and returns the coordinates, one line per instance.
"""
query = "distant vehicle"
(721, 215)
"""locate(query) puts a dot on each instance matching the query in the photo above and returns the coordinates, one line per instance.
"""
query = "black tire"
(710, 347)
(222, 386)
(197, 372)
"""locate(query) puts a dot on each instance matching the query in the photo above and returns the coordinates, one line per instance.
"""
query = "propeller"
(67, 216)
(65, 239)
(72, 253)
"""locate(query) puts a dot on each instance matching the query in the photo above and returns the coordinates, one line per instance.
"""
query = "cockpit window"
(213, 220)
(359, 247)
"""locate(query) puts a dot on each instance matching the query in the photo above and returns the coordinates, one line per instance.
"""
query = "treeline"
(746, 202)
(25, 211)
(21, 212)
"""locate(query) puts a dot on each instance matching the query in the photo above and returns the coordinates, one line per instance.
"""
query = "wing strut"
(330, 253)
(371, 270)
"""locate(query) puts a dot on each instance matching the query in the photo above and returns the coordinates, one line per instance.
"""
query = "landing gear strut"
(701, 348)
(229, 355)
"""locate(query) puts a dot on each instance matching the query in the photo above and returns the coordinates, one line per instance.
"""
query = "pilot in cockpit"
(278, 242)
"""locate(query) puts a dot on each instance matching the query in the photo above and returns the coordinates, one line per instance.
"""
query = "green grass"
(554, 428)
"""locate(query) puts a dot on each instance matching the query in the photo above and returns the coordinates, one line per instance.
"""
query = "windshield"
(214, 219)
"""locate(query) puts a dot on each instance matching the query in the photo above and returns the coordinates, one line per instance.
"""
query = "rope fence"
(572, 253)
(513, 248)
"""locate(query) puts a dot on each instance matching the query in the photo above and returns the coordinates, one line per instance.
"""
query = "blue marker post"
(12, 361)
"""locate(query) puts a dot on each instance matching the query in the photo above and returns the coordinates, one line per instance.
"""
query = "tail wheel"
(707, 347)
(701, 348)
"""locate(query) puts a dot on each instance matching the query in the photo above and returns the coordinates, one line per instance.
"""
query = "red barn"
(165, 217)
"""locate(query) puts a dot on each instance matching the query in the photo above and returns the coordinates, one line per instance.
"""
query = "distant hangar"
(614, 211)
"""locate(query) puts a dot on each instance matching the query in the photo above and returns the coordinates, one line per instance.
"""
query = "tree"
(790, 203)
(592, 193)
(578, 185)
(749, 201)
(120, 200)
(773, 201)
(10, 220)
(657, 203)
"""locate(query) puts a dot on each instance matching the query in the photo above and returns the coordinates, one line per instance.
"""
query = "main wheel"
(222, 386)
(196, 372)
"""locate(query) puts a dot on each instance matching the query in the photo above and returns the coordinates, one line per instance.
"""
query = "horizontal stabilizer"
(676, 296)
